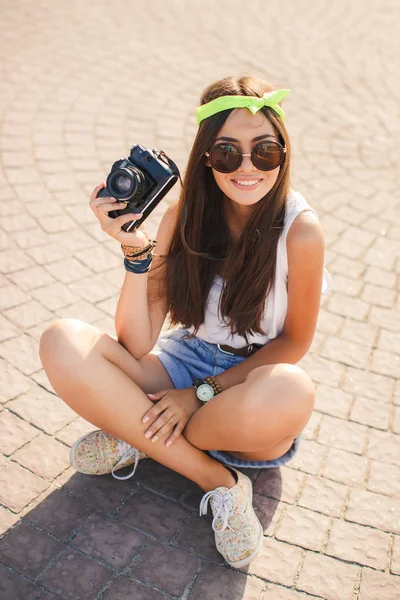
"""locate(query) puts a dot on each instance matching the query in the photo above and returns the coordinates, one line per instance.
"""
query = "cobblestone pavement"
(82, 81)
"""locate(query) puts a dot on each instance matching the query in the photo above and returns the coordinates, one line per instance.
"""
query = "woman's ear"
(207, 163)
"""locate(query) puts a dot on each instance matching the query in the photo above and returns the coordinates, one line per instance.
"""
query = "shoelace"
(224, 508)
(127, 452)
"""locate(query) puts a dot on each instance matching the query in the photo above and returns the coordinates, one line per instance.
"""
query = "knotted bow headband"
(253, 103)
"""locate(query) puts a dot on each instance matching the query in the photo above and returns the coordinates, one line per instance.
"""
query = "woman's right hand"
(113, 227)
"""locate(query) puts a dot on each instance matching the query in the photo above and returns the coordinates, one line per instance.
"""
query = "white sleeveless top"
(215, 331)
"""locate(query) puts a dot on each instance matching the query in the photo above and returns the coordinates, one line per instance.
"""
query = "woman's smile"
(246, 184)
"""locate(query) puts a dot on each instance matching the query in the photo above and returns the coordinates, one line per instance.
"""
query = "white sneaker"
(100, 453)
(238, 532)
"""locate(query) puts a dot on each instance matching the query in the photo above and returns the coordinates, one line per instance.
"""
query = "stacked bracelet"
(138, 260)
(214, 384)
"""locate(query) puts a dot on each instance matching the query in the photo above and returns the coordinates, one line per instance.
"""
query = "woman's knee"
(66, 338)
(288, 381)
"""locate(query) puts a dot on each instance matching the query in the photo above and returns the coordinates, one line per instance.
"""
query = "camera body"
(142, 180)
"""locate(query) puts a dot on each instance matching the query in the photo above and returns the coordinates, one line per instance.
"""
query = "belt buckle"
(224, 351)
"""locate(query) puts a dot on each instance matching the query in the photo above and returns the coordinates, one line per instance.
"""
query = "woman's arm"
(138, 321)
(305, 251)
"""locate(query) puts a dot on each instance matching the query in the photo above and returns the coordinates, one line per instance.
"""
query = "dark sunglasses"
(265, 156)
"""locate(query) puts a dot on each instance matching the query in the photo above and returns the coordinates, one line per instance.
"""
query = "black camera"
(142, 180)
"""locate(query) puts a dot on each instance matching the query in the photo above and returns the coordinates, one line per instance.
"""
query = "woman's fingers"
(177, 432)
(162, 425)
(164, 429)
(96, 190)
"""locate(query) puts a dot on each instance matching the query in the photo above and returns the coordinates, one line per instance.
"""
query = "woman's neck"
(236, 216)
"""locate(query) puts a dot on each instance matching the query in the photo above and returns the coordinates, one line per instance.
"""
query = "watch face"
(205, 392)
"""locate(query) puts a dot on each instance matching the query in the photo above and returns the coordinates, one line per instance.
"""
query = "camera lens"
(125, 183)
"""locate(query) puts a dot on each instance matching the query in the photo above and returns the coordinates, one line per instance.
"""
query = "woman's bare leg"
(104, 384)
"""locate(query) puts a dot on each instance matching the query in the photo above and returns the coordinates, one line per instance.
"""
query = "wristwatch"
(204, 391)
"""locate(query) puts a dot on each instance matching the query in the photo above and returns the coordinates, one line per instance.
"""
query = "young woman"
(240, 270)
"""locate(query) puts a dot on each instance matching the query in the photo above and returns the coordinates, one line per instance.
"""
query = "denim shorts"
(188, 359)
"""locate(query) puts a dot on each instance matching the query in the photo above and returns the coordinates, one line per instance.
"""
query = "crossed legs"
(104, 384)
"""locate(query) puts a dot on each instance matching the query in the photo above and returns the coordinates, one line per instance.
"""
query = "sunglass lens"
(225, 158)
(267, 156)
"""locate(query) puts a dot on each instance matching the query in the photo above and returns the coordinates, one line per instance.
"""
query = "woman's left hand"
(172, 410)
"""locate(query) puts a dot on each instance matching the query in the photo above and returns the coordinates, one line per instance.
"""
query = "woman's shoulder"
(301, 223)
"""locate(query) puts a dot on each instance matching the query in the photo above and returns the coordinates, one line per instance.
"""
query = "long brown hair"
(202, 239)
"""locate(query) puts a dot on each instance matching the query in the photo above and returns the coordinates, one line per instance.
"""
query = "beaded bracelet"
(214, 384)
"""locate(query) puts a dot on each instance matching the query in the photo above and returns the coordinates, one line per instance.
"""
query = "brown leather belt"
(244, 351)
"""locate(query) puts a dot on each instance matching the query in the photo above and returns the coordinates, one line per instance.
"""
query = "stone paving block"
(369, 385)
(74, 431)
(378, 295)
(225, 584)
(153, 567)
(28, 314)
(197, 537)
(102, 492)
(13, 260)
(75, 575)
(281, 483)
(107, 540)
(7, 329)
(389, 341)
(384, 446)
(82, 310)
(311, 429)
(55, 295)
(272, 557)
(22, 352)
(15, 586)
(28, 550)
(385, 363)
(345, 467)
(304, 528)
(275, 592)
(15, 432)
(384, 479)
(309, 457)
(333, 401)
(18, 486)
(94, 288)
(12, 296)
(384, 317)
(155, 514)
(268, 511)
(43, 409)
(123, 588)
(346, 352)
(380, 512)
(324, 496)
(352, 308)
(342, 434)
(348, 267)
(7, 520)
(378, 585)
(361, 333)
(322, 370)
(327, 577)
(371, 413)
(359, 544)
(156, 477)
(395, 565)
(44, 456)
(68, 270)
(57, 513)
(396, 421)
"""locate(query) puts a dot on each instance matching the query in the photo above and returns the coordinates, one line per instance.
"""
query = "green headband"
(253, 103)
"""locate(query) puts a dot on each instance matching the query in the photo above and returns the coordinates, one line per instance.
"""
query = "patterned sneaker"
(100, 453)
(238, 532)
